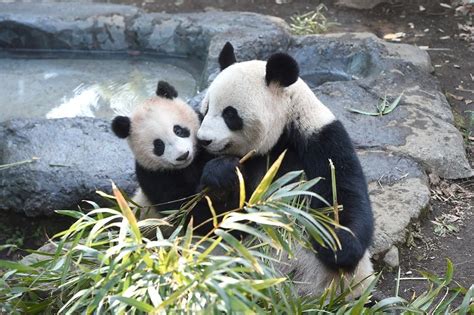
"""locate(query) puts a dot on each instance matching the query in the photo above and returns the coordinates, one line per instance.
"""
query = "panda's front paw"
(219, 173)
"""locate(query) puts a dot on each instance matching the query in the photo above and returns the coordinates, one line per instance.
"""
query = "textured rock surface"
(392, 257)
(76, 157)
(398, 190)
(360, 4)
(344, 70)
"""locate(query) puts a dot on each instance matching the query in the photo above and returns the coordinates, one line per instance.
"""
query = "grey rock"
(399, 191)
(76, 157)
(65, 26)
(48, 248)
(360, 4)
(394, 207)
(392, 257)
(387, 168)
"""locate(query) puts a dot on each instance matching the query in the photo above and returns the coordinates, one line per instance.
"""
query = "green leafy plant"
(312, 22)
(105, 264)
(384, 107)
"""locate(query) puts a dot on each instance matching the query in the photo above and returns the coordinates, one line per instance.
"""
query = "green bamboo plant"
(105, 263)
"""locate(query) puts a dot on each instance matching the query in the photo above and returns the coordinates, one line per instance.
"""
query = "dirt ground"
(435, 28)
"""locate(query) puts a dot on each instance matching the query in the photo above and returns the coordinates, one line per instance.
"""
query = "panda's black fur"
(310, 152)
(166, 190)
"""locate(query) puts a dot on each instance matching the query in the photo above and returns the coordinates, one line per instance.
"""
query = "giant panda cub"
(264, 105)
(161, 133)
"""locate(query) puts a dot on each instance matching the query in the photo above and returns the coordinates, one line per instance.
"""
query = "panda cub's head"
(247, 106)
(161, 132)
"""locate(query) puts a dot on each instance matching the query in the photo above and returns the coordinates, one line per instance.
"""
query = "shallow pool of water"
(56, 85)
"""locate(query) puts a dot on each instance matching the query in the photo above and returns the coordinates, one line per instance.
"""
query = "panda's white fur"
(311, 277)
(147, 211)
(155, 118)
(278, 105)
(267, 110)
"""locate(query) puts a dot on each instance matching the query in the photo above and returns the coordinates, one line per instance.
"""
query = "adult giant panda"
(265, 106)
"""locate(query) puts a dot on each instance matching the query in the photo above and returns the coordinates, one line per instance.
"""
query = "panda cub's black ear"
(166, 90)
(121, 126)
(227, 57)
(282, 69)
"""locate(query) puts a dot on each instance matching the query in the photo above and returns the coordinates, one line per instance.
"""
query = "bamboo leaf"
(127, 212)
(16, 266)
(142, 306)
(467, 303)
(240, 248)
(208, 250)
(393, 105)
(266, 181)
(358, 111)
(242, 188)
(215, 223)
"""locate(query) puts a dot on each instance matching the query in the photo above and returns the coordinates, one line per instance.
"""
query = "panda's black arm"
(219, 174)
(315, 150)
(167, 185)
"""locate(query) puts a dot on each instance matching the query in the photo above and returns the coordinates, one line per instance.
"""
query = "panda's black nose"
(183, 156)
(204, 143)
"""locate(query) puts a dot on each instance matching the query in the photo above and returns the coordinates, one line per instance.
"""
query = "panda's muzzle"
(183, 156)
(204, 143)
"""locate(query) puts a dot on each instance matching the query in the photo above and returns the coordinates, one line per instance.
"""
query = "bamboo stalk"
(334, 192)
(247, 156)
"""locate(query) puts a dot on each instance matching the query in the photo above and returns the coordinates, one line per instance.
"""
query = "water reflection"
(70, 84)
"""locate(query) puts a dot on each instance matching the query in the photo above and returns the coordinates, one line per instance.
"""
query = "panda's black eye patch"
(232, 119)
(159, 147)
(181, 132)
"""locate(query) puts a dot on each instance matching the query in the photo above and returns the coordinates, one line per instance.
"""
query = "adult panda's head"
(247, 106)
(161, 132)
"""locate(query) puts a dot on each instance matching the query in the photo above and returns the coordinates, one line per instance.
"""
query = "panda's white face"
(241, 113)
(163, 134)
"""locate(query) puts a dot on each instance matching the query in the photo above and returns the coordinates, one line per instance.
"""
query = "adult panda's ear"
(121, 126)
(226, 57)
(164, 89)
(281, 69)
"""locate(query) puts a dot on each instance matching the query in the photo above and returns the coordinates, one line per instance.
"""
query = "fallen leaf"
(395, 37)
(459, 98)
(445, 37)
(468, 102)
(445, 5)
(422, 8)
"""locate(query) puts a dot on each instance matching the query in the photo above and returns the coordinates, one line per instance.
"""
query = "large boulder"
(69, 158)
